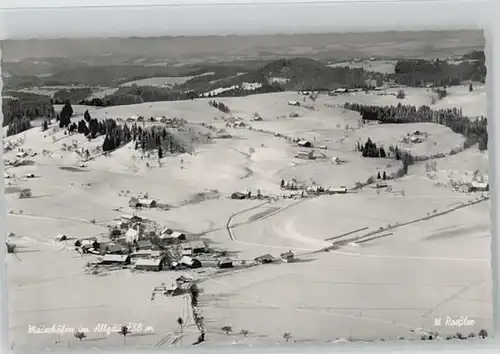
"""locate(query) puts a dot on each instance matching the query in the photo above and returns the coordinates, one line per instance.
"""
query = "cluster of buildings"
(136, 243)
(471, 187)
(293, 185)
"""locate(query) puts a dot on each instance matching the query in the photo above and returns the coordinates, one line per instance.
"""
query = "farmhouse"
(266, 258)
(147, 203)
(85, 241)
(287, 257)
(151, 264)
(114, 249)
(238, 195)
(130, 218)
(479, 187)
(190, 262)
(225, 263)
(133, 202)
(304, 143)
(116, 259)
(305, 155)
(170, 235)
(196, 247)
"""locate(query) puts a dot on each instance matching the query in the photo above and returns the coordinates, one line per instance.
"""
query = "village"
(256, 202)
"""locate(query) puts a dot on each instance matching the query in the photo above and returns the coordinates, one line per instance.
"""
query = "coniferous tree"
(45, 125)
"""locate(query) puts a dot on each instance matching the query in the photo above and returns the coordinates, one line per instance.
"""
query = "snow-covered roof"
(148, 262)
(146, 201)
(186, 260)
(115, 258)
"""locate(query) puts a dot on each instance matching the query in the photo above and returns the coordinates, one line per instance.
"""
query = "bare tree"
(80, 335)
(124, 331)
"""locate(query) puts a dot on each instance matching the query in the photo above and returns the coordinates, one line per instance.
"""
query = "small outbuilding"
(266, 258)
(238, 195)
(304, 143)
(225, 263)
(341, 190)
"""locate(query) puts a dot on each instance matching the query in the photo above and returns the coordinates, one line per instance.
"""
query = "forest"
(475, 130)
(26, 105)
(421, 72)
(116, 136)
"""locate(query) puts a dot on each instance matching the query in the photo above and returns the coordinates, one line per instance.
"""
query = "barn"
(116, 259)
(149, 264)
(225, 263)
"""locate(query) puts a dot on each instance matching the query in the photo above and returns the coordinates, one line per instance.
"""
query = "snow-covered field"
(438, 266)
(473, 104)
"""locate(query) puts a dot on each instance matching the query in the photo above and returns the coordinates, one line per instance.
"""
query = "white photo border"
(30, 19)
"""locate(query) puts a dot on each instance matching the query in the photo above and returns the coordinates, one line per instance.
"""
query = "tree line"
(475, 130)
(141, 94)
(219, 105)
